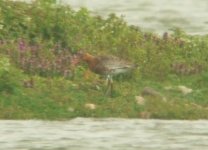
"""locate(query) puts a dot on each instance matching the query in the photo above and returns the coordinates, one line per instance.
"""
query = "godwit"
(108, 66)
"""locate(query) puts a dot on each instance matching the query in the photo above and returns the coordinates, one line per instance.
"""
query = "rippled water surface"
(154, 15)
(104, 134)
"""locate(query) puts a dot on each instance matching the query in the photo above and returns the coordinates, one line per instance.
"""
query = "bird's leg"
(109, 85)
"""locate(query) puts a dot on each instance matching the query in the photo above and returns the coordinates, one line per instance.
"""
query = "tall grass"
(38, 41)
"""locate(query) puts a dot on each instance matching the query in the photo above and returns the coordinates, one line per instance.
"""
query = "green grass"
(37, 80)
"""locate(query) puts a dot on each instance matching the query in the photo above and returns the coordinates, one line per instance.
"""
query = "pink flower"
(22, 46)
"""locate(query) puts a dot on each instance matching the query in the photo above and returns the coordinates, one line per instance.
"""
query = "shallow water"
(153, 15)
(104, 134)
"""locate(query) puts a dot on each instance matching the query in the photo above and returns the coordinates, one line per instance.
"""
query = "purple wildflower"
(22, 45)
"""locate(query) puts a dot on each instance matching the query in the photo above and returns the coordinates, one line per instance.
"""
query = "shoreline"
(38, 80)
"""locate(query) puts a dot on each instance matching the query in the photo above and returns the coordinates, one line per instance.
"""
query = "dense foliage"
(38, 79)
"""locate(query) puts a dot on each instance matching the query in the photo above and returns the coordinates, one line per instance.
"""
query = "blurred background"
(153, 15)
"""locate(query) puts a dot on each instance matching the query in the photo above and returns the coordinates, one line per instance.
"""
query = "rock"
(168, 88)
(28, 83)
(147, 91)
(145, 114)
(184, 89)
(196, 105)
(70, 109)
(90, 106)
(140, 100)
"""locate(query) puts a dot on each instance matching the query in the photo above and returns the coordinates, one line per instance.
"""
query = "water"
(104, 134)
(153, 15)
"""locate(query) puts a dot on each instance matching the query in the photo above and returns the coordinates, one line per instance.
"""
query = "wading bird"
(107, 66)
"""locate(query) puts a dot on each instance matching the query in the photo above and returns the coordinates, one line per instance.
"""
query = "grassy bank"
(39, 81)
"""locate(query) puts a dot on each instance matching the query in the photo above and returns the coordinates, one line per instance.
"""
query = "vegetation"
(39, 81)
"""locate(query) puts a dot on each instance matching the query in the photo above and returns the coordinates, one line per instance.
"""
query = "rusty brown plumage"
(108, 66)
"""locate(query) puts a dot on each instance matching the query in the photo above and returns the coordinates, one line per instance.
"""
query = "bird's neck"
(90, 60)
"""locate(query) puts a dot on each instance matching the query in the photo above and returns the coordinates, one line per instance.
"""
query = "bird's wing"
(115, 64)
